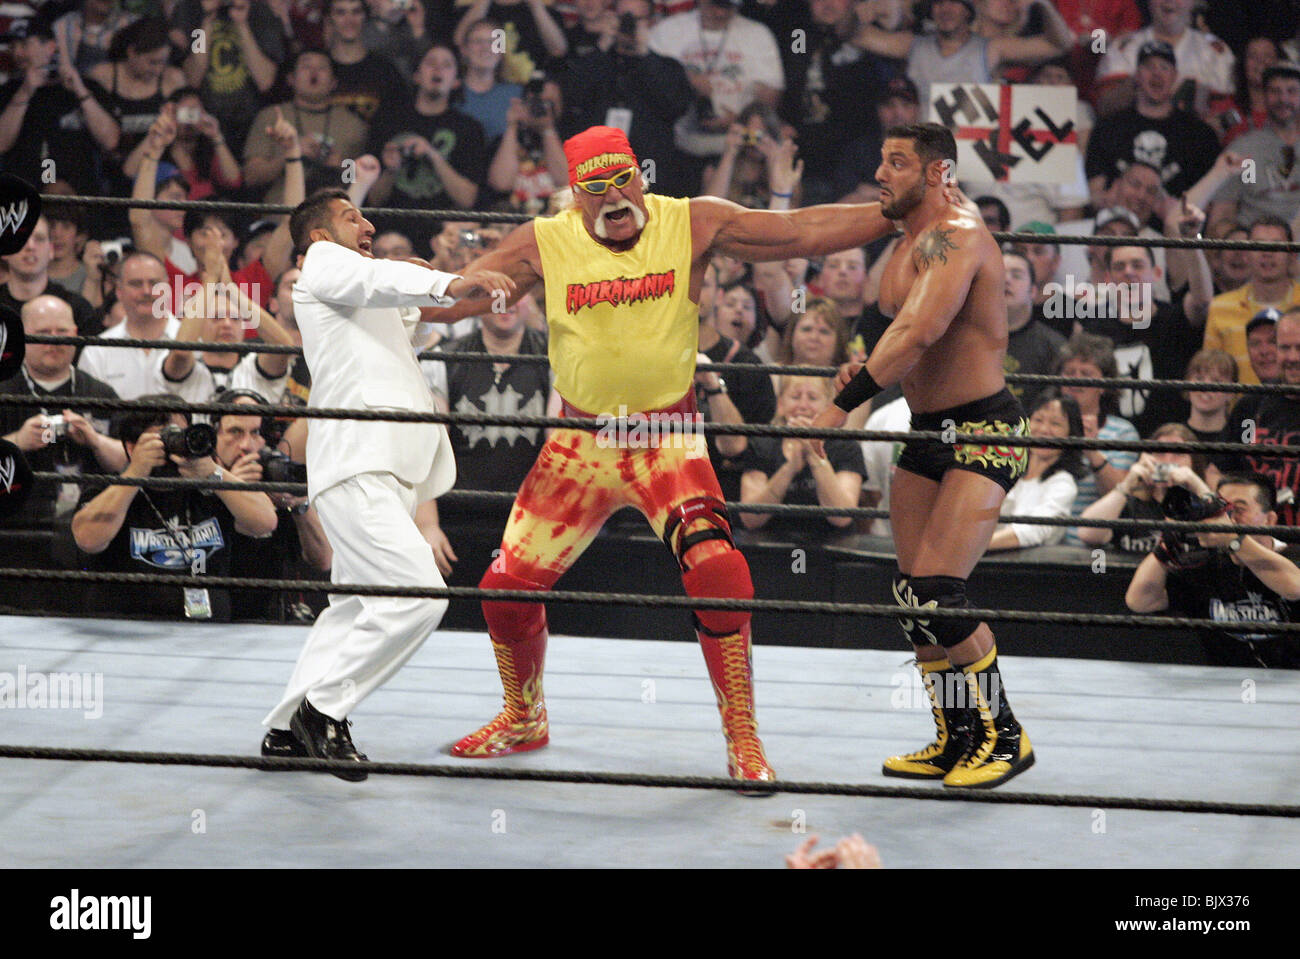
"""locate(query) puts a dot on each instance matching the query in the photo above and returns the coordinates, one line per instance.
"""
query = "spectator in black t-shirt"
(1142, 491)
(596, 21)
(1179, 144)
(178, 532)
(50, 123)
(80, 446)
(29, 277)
(494, 457)
(434, 156)
(297, 549)
(825, 94)
(532, 35)
(731, 398)
(622, 83)
(236, 65)
(1208, 412)
(1153, 340)
(790, 471)
(1277, 423)
(1261, 350)
(364, 79)
(1231, 578)
(1032, 347)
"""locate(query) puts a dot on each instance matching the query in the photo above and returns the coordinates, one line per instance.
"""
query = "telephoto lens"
(191, 442)
(278, 468)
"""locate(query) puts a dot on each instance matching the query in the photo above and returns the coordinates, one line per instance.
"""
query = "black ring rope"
(865, 790)
(635, 599)
(179, 405)
(1028, 379)
(494, 498)
(486, 216)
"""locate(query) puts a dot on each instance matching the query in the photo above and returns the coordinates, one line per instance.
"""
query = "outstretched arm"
(517, 257)
(720, 226)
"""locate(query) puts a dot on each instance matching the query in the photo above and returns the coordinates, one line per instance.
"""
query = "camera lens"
(191, 442)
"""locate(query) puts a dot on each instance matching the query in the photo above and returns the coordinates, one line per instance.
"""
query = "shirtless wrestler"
(944, 289)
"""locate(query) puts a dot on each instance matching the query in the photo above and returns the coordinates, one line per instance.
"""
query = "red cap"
(597, 151)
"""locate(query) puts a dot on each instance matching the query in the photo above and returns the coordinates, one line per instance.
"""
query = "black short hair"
(934, 141)
(1265, 491)
(142, 36)
(1004, 215)
(194, 220)
(1014, 251)
(313, 213)
(1110, 250)
(130, 425)
(1071, 460)
(293, 60)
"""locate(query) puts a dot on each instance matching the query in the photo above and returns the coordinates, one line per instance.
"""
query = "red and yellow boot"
(953, 719)
(521, 726)
(999, 748)
(730, 669)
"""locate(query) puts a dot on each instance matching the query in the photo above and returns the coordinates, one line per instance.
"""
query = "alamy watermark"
(36, 690)
(641, 431)
(1095, 301)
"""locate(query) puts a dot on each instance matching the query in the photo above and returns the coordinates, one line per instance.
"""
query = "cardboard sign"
(1013, 133)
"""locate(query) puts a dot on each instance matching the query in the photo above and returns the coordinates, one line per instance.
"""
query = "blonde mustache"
(638, 217)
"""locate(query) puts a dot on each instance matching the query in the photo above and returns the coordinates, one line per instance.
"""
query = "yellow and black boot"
(952, 718)
(999, 748)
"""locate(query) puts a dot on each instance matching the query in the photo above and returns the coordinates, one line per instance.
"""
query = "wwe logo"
(7, 470)
(11, 218)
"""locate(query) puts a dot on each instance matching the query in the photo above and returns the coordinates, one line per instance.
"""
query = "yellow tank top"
(623, 329)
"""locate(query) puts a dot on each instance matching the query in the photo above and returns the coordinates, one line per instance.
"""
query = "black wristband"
(860, 389)
(289, 160)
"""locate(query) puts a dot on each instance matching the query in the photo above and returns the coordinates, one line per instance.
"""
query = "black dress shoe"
(282, 744)
(326, 738)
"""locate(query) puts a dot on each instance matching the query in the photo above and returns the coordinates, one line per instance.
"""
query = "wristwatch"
(216, 477)
(721, 388)
(1235, 544)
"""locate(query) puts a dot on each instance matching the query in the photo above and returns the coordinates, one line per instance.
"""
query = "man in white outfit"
(359, 317)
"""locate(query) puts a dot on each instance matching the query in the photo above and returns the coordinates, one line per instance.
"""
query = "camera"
(52, 67)
(278, 468)
(57, 426)
(190, 442)
(1160, 474)
(113, 251)
(470, 239)
(537, 108)
(189, 115)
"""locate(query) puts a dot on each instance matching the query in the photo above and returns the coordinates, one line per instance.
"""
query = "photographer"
(529, 164)
(1141, 493)
(49, 114)
(415, 173)
(54, 438)
(1231, 578)
(298, 548)
(624, 84)
(183, 533)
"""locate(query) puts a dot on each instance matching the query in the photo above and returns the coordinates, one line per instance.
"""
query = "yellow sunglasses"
(620, 179)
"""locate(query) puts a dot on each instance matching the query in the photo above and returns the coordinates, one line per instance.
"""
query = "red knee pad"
(725, 576)
(511, 621)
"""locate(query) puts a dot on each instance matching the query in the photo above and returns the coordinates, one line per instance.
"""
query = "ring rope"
(488, 216)
(865, 790)
(1030, 379)
(652, 601)
(494, 498)
(179, 405)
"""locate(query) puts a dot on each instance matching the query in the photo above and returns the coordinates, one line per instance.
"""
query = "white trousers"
(359, 642)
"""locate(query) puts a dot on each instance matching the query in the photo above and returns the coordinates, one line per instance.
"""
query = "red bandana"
(597, 151)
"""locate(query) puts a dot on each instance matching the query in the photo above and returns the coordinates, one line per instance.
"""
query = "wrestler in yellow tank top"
(623, 329)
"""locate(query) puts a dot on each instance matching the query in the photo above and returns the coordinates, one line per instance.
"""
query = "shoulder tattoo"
(933, 247)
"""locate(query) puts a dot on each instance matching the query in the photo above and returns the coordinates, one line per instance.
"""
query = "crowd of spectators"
(1187, 123)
